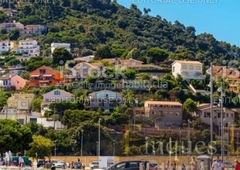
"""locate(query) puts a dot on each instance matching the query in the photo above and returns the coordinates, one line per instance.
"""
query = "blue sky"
(217, 17)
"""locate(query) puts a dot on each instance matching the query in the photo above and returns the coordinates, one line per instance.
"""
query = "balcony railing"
(199, 77)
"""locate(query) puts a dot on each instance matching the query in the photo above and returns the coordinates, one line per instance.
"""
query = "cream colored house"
(55, 95)
(18, 107)
(84, 69)
(203, 112)
(188, 70)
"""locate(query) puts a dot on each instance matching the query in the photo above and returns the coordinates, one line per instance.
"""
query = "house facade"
(204, 113)
(12, 26)
(45, 76)
(34, 29)
(29, 47)
(18, 106)
(231, 76)
(55, 95)
(67, 46)
(84, 69)
(188, 70)
(5, 46)
(164, 113)
(12, 80)
(104, 99)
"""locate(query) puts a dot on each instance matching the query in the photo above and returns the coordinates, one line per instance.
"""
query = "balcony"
(194, 76)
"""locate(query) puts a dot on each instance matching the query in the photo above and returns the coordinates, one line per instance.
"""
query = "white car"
(94, 165)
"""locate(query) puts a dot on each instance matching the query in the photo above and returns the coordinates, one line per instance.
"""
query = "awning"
(44, 81)
(47, 75)
(34, 75)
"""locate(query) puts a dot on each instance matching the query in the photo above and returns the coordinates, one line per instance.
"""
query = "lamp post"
(99, 138)
(237, 143)
(113, 148)
(222, 127)
(211, 109)
(55, 148)
(228, 144)
(189, 143)
(81, 142)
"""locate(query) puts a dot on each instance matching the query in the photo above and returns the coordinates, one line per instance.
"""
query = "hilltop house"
(203, 112)
(18, 107)
(231, 76)
(188, 70)
(5, 46)
(56, 95)
(104, 99)
(67, 46)
(45, 76)
(84, 69)
(12, 80)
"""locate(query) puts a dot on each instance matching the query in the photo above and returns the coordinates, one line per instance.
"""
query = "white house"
(48, 122)
(188, 70)
(56, 95)
(5, 46)
(28, 46)
(67, 46)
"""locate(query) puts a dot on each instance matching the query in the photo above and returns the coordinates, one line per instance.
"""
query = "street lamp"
(113, 148)
(81, 142)
(222, 127)
(99, 144)
(237, 143)
(228, 144)
(189, 143)
(55, 148)
(211, 108)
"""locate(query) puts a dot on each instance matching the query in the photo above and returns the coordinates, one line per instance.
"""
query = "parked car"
(76, 165)
(61, 164)
(153, 166)
(228, 165)
(40, 163)
(94, 165)
(128, 165)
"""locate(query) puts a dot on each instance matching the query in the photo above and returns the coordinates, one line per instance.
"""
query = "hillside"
(87, 24)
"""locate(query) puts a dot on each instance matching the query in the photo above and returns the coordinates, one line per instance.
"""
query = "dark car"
(40, 163)
(128, 165)
(76, 165)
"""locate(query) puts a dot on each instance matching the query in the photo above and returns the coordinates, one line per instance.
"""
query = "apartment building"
(28, 46)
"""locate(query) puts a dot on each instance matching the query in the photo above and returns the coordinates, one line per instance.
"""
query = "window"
(198, 67)
(184, 67)
(191, 67)
(173, 69)
(57, 92)
(42, 71)
(33, 119)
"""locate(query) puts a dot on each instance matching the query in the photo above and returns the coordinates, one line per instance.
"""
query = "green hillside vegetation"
(88, 24)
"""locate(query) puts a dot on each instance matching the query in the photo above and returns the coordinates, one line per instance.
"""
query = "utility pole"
(189, 142)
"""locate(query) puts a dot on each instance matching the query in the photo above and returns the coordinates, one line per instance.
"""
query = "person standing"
(202, 166)
(237, 165)
(193, 164)
(20, 161)
(217, 164)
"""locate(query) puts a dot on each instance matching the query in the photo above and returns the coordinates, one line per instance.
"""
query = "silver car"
(228, 165)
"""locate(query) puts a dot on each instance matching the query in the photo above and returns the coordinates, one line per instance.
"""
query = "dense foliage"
(88, 25)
